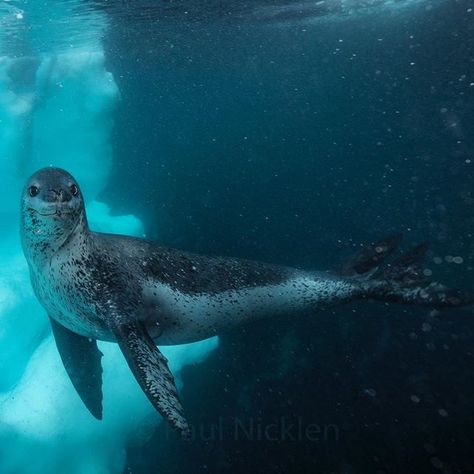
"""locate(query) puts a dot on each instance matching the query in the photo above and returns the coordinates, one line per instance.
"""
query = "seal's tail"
(402, 280)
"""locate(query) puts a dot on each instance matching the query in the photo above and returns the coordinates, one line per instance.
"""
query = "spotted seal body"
(137, 293)
(180, 297)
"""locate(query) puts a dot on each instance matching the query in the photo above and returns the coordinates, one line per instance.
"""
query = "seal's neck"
(41, 244)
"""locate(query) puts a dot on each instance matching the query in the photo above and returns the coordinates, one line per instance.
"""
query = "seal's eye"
(33, 191)
(74, 190)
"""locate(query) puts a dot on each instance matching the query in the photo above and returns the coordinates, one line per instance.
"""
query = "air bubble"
(370, 392)
(437, 463)
(426, 327)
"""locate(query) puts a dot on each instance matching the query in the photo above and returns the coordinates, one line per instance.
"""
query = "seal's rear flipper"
(371, 256)
(403, 280)
(81, 359)
(151, 370)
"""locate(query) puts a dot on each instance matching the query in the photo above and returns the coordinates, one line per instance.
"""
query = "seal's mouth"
(57, 213)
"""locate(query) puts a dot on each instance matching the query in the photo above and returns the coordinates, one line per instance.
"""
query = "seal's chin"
(52, 213)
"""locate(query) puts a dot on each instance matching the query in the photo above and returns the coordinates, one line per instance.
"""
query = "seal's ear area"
(151, 370)
(81, 359)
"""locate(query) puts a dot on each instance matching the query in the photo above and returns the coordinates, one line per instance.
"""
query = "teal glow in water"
(281, 131)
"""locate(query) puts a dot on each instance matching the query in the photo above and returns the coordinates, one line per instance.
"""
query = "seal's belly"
(190, 317)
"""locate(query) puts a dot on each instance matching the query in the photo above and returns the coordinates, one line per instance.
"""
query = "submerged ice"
(57, 108)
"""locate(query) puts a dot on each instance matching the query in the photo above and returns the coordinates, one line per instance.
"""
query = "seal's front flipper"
(81, 359)
(151, 370)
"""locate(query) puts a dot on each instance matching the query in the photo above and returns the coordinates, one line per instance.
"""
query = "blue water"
(288, 132)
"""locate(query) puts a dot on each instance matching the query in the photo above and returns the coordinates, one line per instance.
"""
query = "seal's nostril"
(51, 195)
(64, 195)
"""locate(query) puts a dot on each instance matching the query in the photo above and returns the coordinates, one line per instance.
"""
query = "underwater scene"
(154, 153)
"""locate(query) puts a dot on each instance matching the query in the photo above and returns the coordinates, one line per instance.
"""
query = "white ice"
(61, 116)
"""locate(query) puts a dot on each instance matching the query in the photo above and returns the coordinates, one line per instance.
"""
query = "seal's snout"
(57, 195)
(52, 186)
(52, 193)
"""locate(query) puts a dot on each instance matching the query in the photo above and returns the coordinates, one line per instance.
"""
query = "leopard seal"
(137, 293)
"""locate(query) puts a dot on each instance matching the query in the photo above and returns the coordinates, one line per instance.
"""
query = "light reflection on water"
(28, 27)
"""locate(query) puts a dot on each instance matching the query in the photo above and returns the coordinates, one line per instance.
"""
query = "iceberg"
(56, 108)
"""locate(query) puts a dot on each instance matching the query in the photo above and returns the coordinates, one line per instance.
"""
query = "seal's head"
(52, 208)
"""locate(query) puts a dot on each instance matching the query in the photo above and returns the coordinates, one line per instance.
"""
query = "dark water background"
(293, 144)
(292, 132)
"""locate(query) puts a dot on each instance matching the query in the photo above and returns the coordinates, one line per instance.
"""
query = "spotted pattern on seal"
(135, 292)
(192, 273)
